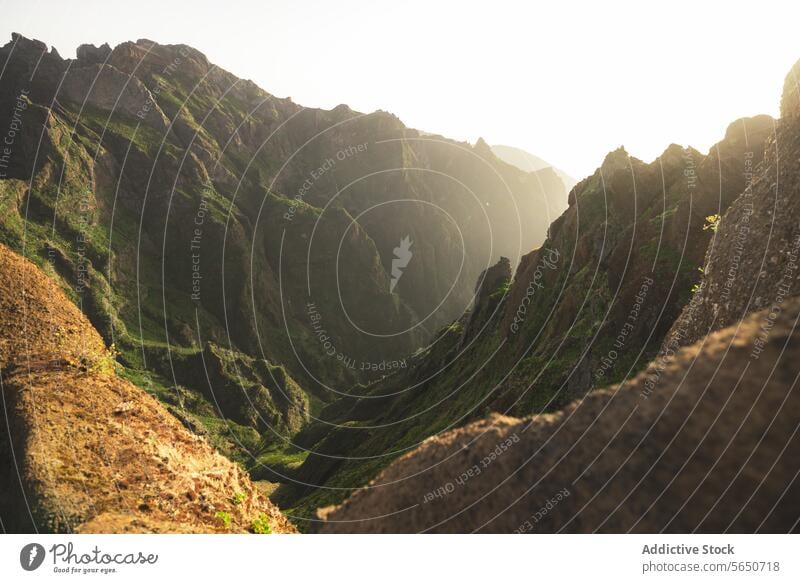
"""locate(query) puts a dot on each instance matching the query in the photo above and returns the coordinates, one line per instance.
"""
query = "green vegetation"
(261, 524)
(275, 461)
(712, 222)
(123, 246)
(597, 318)
(501, 290)
(224, 517)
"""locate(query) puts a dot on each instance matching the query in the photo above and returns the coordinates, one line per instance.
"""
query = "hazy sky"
(566, 81)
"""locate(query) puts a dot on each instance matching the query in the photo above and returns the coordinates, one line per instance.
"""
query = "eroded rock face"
(708, 443)
(87, 451)
(491, 288)
(703, 439)
(589, 308)
(752, 261)
(108, 89)
(93, 54)
(250, 391)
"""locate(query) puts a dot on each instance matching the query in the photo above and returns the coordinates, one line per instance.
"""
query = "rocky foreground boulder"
(707, 442)
(86, 451)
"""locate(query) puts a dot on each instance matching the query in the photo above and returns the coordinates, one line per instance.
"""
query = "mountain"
(193, 268)
(530, 163)
(238, 250)
(589, 308)
(704, 439)
(84, 450)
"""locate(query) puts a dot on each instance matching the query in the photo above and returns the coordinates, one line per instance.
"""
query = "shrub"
(261, 524)
(712, 222)
(225, 517)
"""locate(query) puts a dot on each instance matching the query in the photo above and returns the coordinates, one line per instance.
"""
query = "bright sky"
(567, 81)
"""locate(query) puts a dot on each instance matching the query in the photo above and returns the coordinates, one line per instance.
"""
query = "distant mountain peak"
(530, 163)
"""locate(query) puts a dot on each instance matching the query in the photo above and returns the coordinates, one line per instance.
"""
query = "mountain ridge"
(195, 218)
(241, 256)
(589, 308)
(675, 447)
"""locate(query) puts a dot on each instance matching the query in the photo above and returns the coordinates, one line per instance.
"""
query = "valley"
(364, 327)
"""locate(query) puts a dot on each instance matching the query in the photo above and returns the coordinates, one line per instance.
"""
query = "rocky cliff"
(752, 262)
(237, 248)
(589, 308)
(297, 287)
(84, 450)
(712, 448)
(705, 438)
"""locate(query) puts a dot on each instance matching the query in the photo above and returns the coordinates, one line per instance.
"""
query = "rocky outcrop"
(92, 54)
(588, 309)
(86, 451)
(249, 391)
(706, 444)
(104, 87)
(790, 100)
(490, 290)
(704, 439)
(752, 261)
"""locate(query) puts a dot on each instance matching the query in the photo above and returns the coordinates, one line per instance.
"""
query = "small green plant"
(501, 290)
(225, 517)
(238, 498)
(261, 524)
(455, 327)
(696, 287)
(105, 364)
(712, 222)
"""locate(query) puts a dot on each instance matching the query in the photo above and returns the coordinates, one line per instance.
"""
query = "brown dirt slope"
(707, 442)
(83, 450)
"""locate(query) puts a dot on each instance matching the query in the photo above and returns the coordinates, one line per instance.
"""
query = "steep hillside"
(704, 439)
(589, 308)
(316, 293)
(240, 251)
(713, 448)
(83, 450)
(753, 262)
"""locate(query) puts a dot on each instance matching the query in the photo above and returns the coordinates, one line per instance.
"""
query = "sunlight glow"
(567, 81)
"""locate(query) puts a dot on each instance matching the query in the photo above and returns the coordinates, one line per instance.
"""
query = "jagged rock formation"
(237, 249)
(589, 308)
(86, 451)
(180, 205)
(706, 444)
(753, 260)
(705, 439)
(491, 288)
